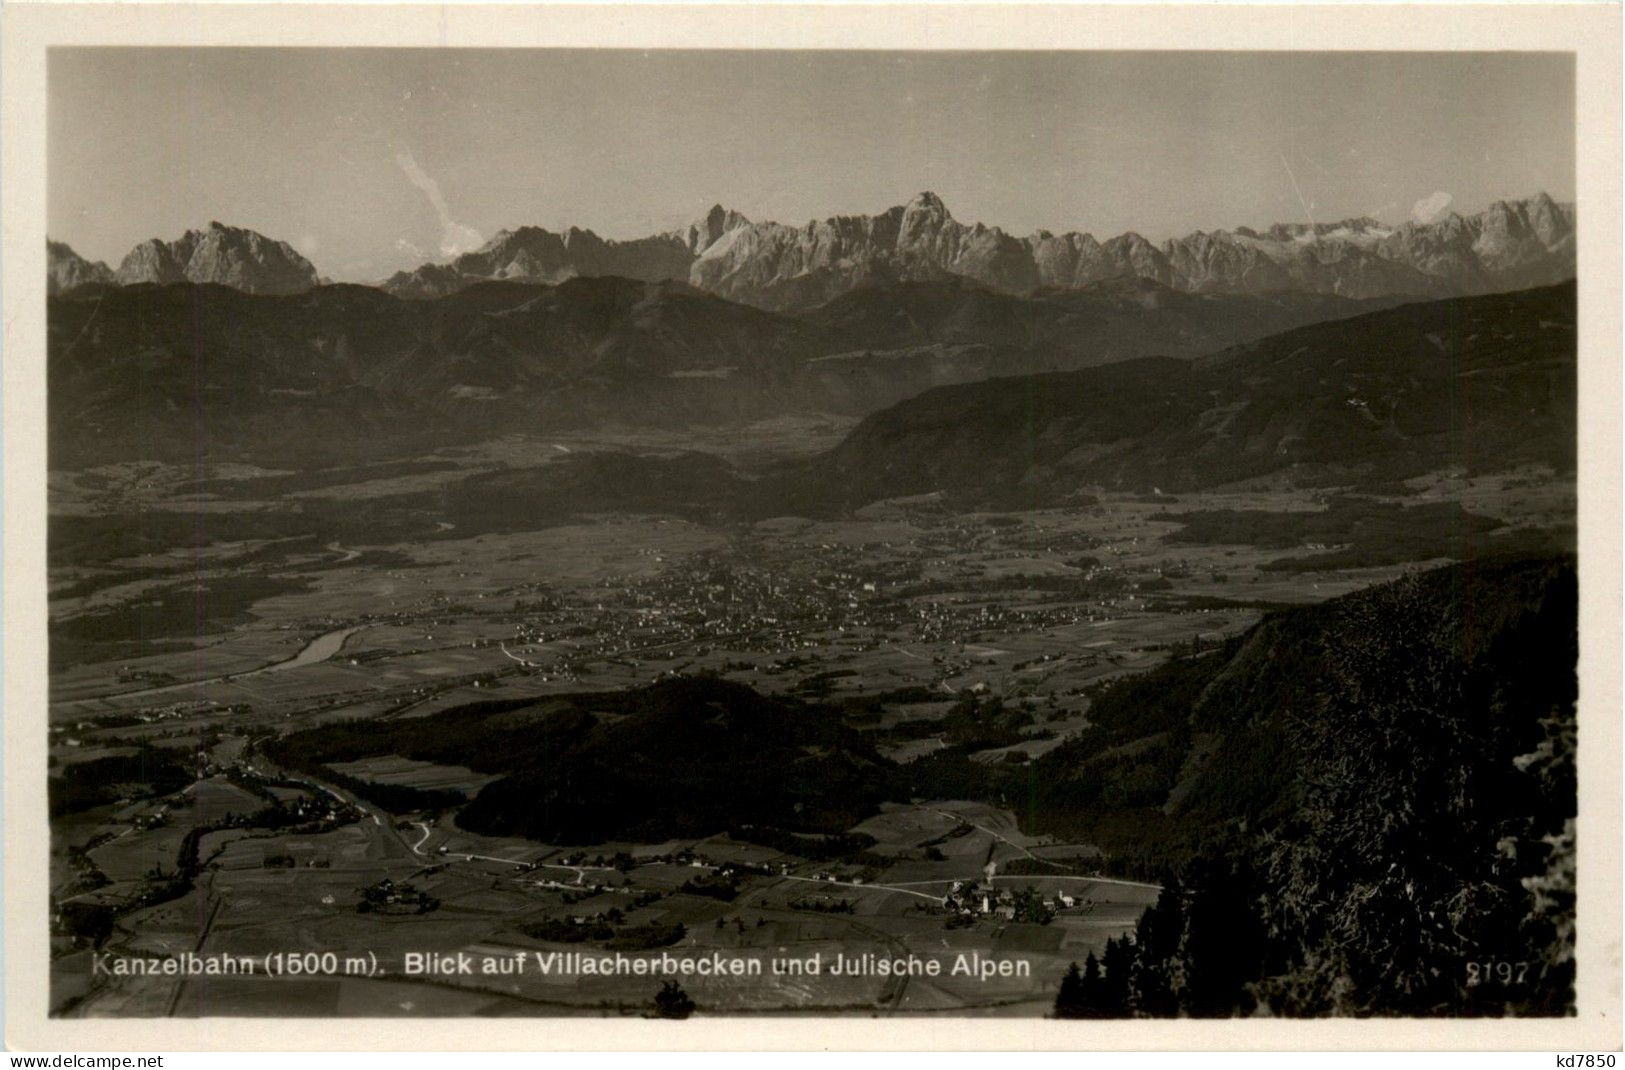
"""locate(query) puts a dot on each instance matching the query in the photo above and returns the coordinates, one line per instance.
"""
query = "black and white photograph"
(719, 533)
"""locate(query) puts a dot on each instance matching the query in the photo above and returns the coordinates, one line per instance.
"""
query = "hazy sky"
(370, 160)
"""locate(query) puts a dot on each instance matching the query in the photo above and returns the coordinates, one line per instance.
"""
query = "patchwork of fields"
(913, 621)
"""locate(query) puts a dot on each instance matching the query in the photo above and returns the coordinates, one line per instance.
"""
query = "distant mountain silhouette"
(67, 269)
(131, 368)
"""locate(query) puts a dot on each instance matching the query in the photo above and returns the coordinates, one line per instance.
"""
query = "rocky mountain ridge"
(231, 256)
(65, 269)
(125, 361)
(1510, 245)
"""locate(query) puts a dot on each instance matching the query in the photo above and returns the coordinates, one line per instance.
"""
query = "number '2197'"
(1507, 973)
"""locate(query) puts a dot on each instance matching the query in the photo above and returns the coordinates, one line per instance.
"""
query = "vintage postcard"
(1006, 527)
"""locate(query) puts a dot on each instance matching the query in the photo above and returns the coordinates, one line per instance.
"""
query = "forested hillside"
(1377, 796)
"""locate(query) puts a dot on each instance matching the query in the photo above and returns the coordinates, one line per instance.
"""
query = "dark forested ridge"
(1482, 384)
(184, 372)
(1486, 383)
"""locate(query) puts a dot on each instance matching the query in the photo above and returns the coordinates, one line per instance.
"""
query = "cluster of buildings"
(973, 898)
(860, 598)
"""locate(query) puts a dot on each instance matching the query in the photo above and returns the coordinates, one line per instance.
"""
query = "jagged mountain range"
(231, 256)
(1510, 245)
